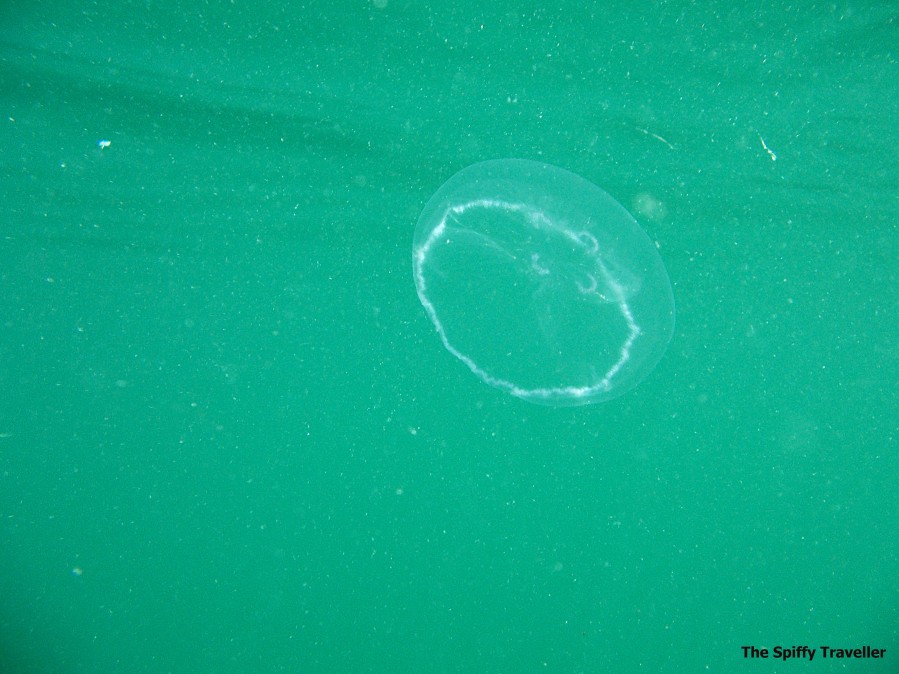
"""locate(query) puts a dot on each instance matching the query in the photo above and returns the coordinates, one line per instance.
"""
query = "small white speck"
(103, 144)
(768, 149)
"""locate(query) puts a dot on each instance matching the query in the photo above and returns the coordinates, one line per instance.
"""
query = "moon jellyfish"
(541, 283)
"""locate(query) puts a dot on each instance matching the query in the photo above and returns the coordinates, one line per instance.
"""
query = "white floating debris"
(768, 149)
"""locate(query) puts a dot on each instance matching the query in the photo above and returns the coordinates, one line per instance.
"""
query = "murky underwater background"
(231, 440)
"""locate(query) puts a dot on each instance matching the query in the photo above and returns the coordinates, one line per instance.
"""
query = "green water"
(231, 441)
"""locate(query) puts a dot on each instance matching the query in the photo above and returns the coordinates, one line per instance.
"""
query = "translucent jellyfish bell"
(541, 283)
